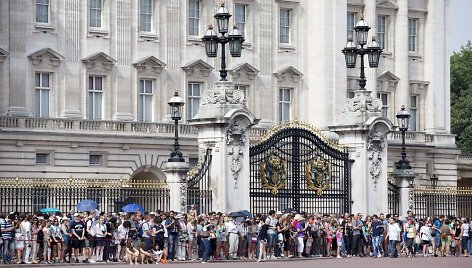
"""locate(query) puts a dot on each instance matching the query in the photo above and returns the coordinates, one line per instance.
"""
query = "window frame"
(197, 19)
(100, 12)
(287, 26)
(38, 111)
(142, 96)
(413, 35)
(48, 156)
(101, 159)
(238, 22)
(94, 92)
(281, 102)
(386, 104)
(414, 109)
(190, 111)
(350, 30)
(150, 15)
(383, 42)
(48, 13)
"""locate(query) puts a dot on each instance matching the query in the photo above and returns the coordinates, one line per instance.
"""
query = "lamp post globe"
(210, 39)
(350, 53)
(362, 28)
(374, 51)
(176, 103)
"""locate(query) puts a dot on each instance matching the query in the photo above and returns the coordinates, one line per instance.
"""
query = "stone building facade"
(85, 84)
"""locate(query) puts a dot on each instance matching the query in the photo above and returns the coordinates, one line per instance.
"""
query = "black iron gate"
(296, 167)
(199, 191)
(393, 198)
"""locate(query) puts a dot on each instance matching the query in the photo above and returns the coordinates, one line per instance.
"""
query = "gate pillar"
(223, 121)
(367, 145)
(175, 178)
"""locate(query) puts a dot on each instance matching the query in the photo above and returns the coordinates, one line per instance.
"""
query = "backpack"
(470, 231)
(140, 229)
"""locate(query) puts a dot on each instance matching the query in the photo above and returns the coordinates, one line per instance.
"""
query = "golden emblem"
(318, 175)
(273, 173)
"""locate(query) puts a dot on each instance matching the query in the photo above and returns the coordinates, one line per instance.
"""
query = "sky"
(461, 23)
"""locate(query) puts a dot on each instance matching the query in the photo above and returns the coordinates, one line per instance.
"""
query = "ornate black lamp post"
(351, 50)
(176, 103)
(234, 38)
(434, 180)
(403, 122)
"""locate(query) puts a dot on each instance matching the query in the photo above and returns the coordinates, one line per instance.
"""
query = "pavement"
(418, 262)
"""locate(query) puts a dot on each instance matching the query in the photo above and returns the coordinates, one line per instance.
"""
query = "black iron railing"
(199, 191)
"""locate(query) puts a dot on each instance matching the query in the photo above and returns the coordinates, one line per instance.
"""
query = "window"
(193, 99)
(95, 160)
(383, 96)
(42, 88)
(192, 161)
(145, 15)
(193, 17)
(240, 17)
(145, 100)
(351, 23)
(382, 31)
(243, 88)
(284, 104)
(413, 113)
(42, 11)
(42, 158)
(412, 35)
(284, 36)
(95, 97)
(96, 13)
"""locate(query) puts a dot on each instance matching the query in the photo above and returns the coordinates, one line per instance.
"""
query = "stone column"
(402, 56)
(406, 191)
(176, 173)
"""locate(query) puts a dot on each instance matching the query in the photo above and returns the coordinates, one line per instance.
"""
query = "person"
(172, 227)
(437, 234)
(465, 236)
(445, 231)
(192, 235)
(91, 221)
(26, 236)
(393, 236)
(348, 231)
(100, 236)
(339, 241)
(56, 240)
(233, 237)
(301, 229)
(47, 242)
(377, 227)
(263, 237)
(271, 221)
(65, 233)
(8, 232)
(132, 254)
(78, 237)
(183, 237)
(426, 237)
(35, 229)
(203, 231)
(123, 234)
(19, 242)
(410, 230)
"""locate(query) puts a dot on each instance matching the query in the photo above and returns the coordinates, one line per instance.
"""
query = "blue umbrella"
(87, 205)
(132, 208)
(49, 210)
(246, 213)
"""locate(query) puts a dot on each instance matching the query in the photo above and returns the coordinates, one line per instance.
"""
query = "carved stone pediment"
(99, 60)
(387, 75)
(197, 67)
(387, 4)
(288, 74)
(46, 56)
(149, 64)
(244, 70)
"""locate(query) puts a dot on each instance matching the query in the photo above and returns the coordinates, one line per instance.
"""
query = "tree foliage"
(461, 97)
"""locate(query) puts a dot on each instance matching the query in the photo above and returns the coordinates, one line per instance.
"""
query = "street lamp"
(176, 103)
(403, 122)
(434, 180)
(234, 38)
(351, 50)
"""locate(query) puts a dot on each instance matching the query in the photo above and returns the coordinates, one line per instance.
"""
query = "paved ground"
(419, 262)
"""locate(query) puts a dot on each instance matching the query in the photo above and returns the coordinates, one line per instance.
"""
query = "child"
(339, 241)
(263, 236)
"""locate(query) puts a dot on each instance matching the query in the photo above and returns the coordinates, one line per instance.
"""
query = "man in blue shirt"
(436, 234)
(377, 233)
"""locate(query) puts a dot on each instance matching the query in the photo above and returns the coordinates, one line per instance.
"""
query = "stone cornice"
(46, 53)
(150, 62)
(244, 68)
(99, 57)
(199, 65)
(288, 72)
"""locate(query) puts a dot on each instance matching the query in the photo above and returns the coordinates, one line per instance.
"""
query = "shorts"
(446, 241)
(425, 242)
(409, 242)
(273, 238)
(92, 241)
(100, 241)
(78, 244)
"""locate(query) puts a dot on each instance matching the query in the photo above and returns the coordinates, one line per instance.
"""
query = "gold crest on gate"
(318, 175)
(273, 173)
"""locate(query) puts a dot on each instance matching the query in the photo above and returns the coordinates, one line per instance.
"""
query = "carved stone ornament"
(363, 102)
(236, 141)
(223, 93)
(411, 198)
(183, 193)
(375, 146)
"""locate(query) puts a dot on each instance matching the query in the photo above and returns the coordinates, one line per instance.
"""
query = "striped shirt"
(6, 225)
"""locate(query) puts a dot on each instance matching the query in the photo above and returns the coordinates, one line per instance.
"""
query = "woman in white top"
(465, 236)
(101, 233)
(425, 235)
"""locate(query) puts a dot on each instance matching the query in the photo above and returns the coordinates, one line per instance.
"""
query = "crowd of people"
(160, 237)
